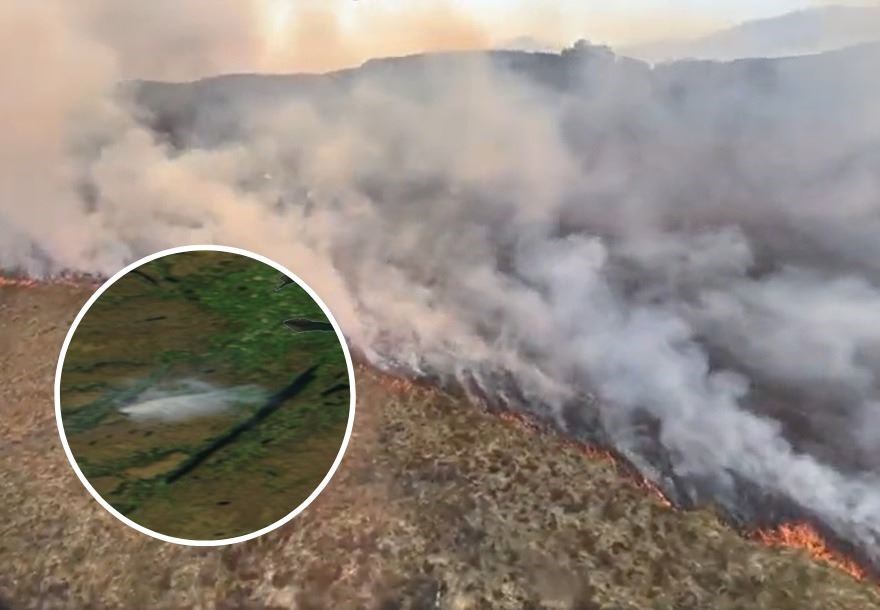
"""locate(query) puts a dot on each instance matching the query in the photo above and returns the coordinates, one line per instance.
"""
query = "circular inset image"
(204, 395)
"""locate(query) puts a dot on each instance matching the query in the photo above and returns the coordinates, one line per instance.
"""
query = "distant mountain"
(829, 85)
(798, 33)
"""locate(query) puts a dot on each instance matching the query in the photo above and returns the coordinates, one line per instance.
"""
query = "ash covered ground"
(437, 505)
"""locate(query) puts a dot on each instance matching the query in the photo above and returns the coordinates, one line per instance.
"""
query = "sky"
(188, 39)
(616, 22)
(634, 20)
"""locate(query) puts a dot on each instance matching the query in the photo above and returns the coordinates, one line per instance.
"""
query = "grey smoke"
(686, 256)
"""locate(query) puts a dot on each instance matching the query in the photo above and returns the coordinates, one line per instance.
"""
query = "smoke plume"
(191, 399)
(681, 260)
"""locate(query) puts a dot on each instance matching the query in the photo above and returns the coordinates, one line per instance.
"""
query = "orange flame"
(592, 452)
(397, 385)
(655, 491)
(61, 280)
(803, 536)
(16, 282)
(793, 535)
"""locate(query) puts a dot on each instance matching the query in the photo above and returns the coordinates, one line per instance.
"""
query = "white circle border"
(315, 493)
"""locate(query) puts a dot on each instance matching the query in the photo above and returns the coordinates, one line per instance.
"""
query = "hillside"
(437, 505)
(709, 213)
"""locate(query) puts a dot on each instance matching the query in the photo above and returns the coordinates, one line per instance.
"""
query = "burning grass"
(804, 537)
(800, 536)
(436, 505)
(592, 452)
(70, 281)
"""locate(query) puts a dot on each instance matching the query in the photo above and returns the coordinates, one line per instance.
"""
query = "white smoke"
(696, 245)
(191, 399)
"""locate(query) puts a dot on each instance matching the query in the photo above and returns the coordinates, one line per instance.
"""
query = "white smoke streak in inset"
(191, 399)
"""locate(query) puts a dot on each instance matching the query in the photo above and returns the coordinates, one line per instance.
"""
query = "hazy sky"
(614, 22)
(186, 39)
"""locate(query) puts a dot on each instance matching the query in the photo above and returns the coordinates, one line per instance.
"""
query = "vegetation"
(436, 505)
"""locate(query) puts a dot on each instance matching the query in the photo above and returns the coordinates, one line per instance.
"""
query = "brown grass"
(437, 505)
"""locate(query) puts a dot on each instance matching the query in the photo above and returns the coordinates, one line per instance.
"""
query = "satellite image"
(192, 408)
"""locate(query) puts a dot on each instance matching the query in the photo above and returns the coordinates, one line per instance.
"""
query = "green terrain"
(208, 325)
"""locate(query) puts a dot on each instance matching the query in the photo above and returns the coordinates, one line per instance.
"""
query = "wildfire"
(73, 281)
(397, 385)
(803, 536)
(655, 491)
(791, 535)
(597, 453)
(16, 282)
(592, 452)
(518, 419)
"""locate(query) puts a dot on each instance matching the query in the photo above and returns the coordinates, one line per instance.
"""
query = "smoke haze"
(683, 261)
